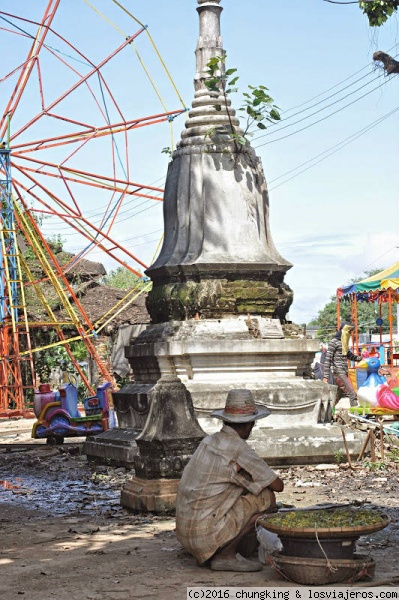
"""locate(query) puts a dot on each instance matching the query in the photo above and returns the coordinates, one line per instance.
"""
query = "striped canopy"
(380, 282)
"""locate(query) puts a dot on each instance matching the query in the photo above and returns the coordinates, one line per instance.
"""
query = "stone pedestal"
(118, 446)
(213, 356)
(169, 438)
(150, 495)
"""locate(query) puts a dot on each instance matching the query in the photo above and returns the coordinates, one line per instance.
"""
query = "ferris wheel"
(72, 105)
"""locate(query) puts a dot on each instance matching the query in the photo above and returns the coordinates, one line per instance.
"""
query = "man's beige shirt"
(214, 496)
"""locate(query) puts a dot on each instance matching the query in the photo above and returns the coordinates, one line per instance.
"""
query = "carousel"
(382, 289)
(376, 377)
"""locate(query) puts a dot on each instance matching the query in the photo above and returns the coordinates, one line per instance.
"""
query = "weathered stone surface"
(132, 405)
(236, 350)
(302, 445)
(154, 495)
(218, 257)
(292, 402)
(171, 433)
(260, 294)
(115, 446)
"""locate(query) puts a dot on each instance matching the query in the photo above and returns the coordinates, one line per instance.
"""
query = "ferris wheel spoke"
(59, 58)
(93, 132)
(43, 188)
(29, 64)
(78, 83)
(70, 219)
(62, 108)
(90, 179)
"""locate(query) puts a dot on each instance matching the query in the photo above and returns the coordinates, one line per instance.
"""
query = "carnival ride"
(66, 140)
(381, 288)
(376, 380)
(58, 414)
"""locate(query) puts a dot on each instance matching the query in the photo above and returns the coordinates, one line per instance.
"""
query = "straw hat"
(240, 408)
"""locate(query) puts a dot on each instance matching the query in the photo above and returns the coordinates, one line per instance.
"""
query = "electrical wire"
(371, 73)
(277, 123)
(332, 150)
(319, 120)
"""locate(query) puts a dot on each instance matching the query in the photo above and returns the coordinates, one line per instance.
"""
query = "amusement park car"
(58, 415)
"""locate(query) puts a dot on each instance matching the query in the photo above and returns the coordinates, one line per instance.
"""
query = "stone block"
(116, 446)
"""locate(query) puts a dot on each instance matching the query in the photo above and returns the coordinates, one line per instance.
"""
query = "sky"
(331, 163)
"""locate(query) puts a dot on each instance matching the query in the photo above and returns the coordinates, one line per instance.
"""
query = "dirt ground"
(64, 534)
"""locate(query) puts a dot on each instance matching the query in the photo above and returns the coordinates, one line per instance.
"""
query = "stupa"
(219, 301)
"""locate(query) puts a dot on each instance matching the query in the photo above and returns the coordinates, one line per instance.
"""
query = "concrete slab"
(116, 447)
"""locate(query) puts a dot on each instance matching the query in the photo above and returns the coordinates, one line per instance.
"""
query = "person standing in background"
(336, 359)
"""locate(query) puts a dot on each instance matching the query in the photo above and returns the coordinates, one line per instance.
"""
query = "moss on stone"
(217, 298)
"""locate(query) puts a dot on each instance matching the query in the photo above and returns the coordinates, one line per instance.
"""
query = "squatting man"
(224, 488)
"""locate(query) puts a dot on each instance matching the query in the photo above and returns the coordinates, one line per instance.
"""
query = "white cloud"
(324, 263)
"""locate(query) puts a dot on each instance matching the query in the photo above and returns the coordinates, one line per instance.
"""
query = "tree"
(122, 278)
(326, 320)
(377, 11)
(46, 361)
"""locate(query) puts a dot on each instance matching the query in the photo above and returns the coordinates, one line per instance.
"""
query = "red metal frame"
(27, 169)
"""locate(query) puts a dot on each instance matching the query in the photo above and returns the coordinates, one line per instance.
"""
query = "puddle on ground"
(58, 495)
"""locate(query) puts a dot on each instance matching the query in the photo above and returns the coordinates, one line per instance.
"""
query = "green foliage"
(56, 243)
(122, 278)
(379, 11)
(378, 465)
(393, 454)
(368, 312)
(257, 106)
(167, 151)
(339, 456)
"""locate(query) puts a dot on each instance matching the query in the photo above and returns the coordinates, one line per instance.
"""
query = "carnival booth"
(376, 378)
(382, 288)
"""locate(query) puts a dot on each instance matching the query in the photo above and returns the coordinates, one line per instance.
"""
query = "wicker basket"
(317, 571)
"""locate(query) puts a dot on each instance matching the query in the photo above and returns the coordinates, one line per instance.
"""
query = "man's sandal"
(239, 564)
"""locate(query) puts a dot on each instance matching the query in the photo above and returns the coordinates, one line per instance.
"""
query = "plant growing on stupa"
(258, 106)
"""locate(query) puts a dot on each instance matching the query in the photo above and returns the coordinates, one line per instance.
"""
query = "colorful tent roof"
(380, 282)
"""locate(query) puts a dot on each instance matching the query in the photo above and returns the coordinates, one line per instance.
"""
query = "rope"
(364, 572)
(329, 565)
(276, 567)
(156, 249)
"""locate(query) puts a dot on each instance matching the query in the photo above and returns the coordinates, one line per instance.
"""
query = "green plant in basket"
(327, 519)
